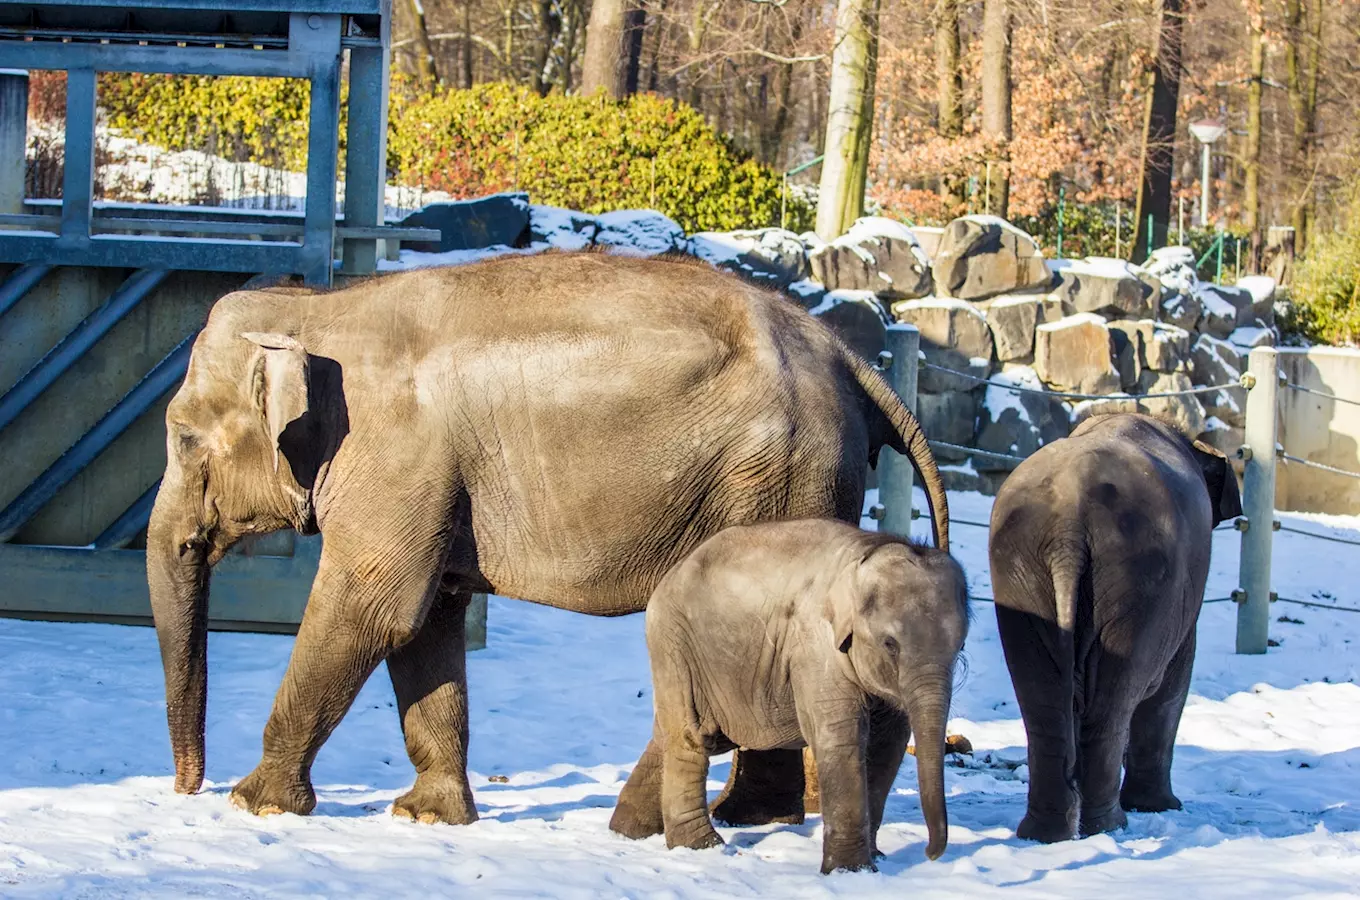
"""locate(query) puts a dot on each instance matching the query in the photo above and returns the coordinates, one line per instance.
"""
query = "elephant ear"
(280, 383)
(1221, 481)
(843, 604)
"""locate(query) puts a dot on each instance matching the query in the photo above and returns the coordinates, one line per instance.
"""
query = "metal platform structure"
(100, 302)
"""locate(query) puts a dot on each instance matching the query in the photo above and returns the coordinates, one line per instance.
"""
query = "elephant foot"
(698, 835)
(267, 793)
(1099, 821)
(1134, 799)
(1045, 830)
(766, 787)
(636, 820)
(437, 799)
(858, 860)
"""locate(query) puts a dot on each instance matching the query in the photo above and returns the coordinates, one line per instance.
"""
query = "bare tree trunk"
(635, 26)
(1159, 133)
(604, 63)
(1303, 58)
(996, 97)
(573, 29)
(1251, 189)
(849, 121)
(550, 24)
(661, 26)
(949, 77)
(467, 44)
(425, 64)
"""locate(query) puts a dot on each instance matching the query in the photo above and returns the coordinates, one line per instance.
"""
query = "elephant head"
(900, 615)
(243, 454)
(1221, 481)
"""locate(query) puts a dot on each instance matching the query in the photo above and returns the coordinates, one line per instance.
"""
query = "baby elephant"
(809, 633)
(1099, 552)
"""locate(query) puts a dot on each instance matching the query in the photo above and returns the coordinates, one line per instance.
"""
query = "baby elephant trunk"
(928, 709)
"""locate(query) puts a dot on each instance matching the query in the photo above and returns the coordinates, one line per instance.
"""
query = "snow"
(639, 232)
(997, 400)
(410, 259)
(1015, 300)
(1267, 763)
(806, 289)
(941, 303)
(1101, 267)
(1250, 336)
(1261, 287)
(1073, 321)
(845, 295)
(998, 222)
(562, 229)
(1213, 301)
(1214, 423)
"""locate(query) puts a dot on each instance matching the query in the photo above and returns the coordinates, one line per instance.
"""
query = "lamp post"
(1206, 131)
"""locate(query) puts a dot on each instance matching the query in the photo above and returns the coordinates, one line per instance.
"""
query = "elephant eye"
(890, 644)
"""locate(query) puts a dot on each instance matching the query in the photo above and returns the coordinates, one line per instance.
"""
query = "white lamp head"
(1206, 131)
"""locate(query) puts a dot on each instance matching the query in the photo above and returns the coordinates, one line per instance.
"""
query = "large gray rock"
(876, 254)
(1153, 345)
(1262, 290)
(561, 229)
(1076, 354)
(1225, 308)
(768, 256)
(1017, 424)
(983, 256)
(954, 334)
(806, 293)
(858, 318)
(498, 220)
(1185, 411)
(1183, 310)
(1247, 338)
(948, 417)
(1174, 268)
(1013, 319)
(1126, 341)
(1108, 287)
(1226, 405)
(1214, 362)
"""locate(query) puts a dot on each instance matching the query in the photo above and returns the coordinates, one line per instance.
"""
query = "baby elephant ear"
(279, 382)
(1221, 481)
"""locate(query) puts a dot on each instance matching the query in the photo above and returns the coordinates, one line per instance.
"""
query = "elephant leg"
(373, 588)
(1152, 737)
(765, 786)
(847, 841)
(1042, 688)
(889, 731)
(429, 675)
(637, 814)
(1102, 757)
(684, 795)
(812, 789)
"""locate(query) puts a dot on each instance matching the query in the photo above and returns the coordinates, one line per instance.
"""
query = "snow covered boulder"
(948, 417)
(858, 318)
(769, 256)
(1226, 405)
(1155, 345)
(876, 254)
(1262, 290)
(1224, 297)
(929, 238)
(1013, 319)
(1174, 267)
(954, 334)
(983, 256)
(1185, 411)
(1249, 337)
(1184, 310)
(497, 220)
(1076, 354)
(1214, 362)
(640, 232)
(1016, 423)
(1220, 315)
(1108, 287)
(561, 229)
(806, 293)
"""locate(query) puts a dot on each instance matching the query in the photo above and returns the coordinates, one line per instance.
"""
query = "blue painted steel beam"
(23, 280)
(342, 7)
(164, 60)
(195, 254)
(130, 523)
(76, 344)
(165, 375)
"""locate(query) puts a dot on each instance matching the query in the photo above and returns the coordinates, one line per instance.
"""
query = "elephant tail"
(1069, 573)
(906, 436)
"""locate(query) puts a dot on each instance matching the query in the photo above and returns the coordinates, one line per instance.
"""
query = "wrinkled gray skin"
(1099, 555)
(561, 428)
(810, 633)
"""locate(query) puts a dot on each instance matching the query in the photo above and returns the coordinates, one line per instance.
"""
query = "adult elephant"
(561, 428)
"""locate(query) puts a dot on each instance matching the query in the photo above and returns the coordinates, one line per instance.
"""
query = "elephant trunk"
(927, 708)
(177, 573)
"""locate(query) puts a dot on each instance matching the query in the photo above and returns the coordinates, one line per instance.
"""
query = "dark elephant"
(561, 428)
(1099, 555)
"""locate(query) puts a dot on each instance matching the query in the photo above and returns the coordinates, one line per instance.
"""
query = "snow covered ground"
(1268, 764)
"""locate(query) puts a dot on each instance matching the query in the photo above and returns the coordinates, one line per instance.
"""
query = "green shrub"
(591, 154)
(1325, 293)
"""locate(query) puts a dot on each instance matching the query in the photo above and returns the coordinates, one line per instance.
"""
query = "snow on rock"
(1012, 318)
(1076, 354)
(769, 256)
(410, 259)
(807, 293)
(1220, 316)
(1261, 288)
(1017, 423)
(954, 335)
(1248, 338)
(859, 319)
(1111, 287)
(948, 417)
(1267, 763)
(639, 232)
(562, 229)
(876, 254)
(983, 256)
(1174, 267)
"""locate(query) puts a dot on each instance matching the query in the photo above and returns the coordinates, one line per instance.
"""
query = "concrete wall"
(1320, 430)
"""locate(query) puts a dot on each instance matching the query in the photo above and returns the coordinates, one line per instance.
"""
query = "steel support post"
(1258, 502)
(318, 37)
(894, 469)
(366, 150)
(77, 187)
(13, 138)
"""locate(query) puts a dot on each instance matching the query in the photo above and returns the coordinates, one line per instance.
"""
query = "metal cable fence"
(1070, 395)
